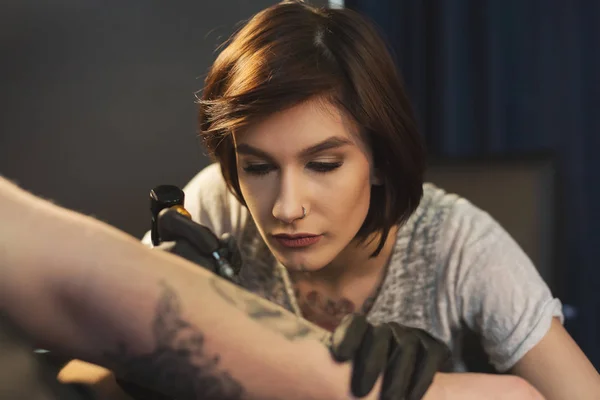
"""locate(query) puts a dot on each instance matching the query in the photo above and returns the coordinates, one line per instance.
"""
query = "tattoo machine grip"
(195, 242)
(162, 197)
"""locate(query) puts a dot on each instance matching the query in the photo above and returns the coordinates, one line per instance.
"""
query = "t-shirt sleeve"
(496, 289)
(210, 203)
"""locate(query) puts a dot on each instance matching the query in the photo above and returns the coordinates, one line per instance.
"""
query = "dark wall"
(97, 102)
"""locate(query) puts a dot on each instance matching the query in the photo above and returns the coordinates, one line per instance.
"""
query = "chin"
(302, 267)
(303, 262)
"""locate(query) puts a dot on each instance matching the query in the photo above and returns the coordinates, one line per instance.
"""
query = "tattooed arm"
(81, 287)
(85, 289)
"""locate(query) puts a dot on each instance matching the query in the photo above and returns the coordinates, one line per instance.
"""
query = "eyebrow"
(331, 143)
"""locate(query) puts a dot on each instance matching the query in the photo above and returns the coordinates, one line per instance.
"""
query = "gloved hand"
(408, 357)
(199, 244)
(173, 230)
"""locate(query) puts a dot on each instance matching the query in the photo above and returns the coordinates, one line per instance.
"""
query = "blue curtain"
(492, 77)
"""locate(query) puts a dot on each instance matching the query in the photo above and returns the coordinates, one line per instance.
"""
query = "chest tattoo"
(323, 310)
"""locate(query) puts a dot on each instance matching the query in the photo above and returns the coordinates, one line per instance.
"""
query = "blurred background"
(97, 108)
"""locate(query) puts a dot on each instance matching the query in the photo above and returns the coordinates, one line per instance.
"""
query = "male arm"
(83, 288)
(89, 291)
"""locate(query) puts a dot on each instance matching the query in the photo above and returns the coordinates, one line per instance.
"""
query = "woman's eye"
(258, 169)
(318, 166)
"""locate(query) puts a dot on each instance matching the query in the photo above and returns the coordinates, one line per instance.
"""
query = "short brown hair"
(292, 52)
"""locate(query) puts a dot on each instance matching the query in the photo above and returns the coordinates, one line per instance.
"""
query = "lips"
(298, 240)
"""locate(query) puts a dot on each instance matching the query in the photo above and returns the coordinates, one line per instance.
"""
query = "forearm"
(567, 373)
(87, 289)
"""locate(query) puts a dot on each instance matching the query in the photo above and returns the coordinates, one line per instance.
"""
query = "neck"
(353, 262)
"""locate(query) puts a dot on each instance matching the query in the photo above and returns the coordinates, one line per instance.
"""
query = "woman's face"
(310, 156)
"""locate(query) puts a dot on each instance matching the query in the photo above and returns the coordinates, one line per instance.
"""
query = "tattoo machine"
(171, 222)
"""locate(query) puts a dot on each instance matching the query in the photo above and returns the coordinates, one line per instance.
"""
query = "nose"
(288, 205)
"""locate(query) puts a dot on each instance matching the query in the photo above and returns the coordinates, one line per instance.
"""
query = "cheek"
(256, 193)
(348, 197)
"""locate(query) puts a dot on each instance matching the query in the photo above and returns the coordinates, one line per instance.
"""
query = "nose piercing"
(303, 212)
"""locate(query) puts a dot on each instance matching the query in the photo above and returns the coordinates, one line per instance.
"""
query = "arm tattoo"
(268, 314)
(179, 365)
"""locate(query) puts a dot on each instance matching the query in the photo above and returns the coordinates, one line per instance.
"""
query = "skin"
(558, 368)
(278, 177)
(313, 156)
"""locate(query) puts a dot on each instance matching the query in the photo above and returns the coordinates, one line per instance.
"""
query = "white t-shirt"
(453, 266)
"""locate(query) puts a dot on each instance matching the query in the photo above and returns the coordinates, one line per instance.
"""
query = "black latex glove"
(199, 244)
(408, 357)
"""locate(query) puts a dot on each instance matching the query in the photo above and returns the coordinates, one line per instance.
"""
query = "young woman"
(319, 176)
